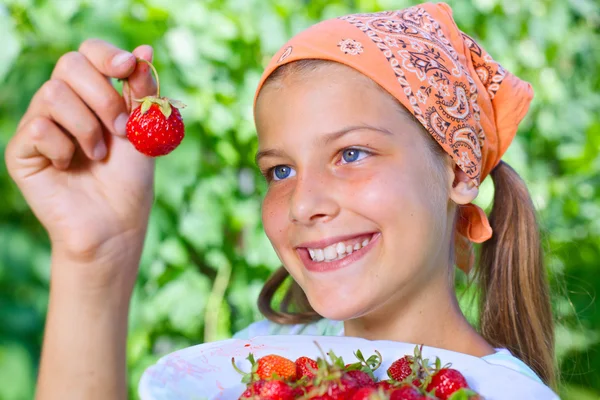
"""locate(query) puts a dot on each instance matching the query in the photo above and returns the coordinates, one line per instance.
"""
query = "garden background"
(206, 256)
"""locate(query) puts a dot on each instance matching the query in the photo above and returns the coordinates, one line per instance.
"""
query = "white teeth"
(330, 253)
(335, 251)
(319, 256)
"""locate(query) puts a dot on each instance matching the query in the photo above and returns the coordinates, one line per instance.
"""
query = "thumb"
(141, 81)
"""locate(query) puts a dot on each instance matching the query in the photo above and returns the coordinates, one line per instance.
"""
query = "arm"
(84, 348)
(95, 207)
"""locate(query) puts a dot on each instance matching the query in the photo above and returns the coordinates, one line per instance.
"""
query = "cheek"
(399, 200)
(275, 215)
(386, 193)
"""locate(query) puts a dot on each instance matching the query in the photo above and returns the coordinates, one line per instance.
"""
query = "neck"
(430, 316)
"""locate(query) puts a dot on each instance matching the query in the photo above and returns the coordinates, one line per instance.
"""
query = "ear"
(463, 189)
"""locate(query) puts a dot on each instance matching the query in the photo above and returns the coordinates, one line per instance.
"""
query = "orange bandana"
(466, 100)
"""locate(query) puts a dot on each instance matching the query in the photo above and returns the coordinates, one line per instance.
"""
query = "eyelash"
(269, 172)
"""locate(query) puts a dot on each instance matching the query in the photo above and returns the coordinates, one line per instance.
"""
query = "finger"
(95, 90)
(62, 105)
(141, 81)
(108, 59)
(39, 143)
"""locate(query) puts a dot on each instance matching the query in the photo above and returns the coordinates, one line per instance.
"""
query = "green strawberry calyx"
(247, 377)
(163, 103)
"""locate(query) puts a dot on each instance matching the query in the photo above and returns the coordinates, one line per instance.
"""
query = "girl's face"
(357, 206)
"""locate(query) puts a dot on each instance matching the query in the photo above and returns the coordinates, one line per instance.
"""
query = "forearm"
(84, 349)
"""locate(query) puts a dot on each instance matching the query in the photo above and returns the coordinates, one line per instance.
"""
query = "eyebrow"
(328, 138)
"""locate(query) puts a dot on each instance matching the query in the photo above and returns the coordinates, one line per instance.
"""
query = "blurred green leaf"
(16, 369)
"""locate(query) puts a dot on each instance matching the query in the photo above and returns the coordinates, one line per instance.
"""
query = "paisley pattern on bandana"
(286, 53)
(350, 46)
(441, 92)
(490, 73)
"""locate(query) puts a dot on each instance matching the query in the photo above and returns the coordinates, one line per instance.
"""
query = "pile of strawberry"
(411, 377)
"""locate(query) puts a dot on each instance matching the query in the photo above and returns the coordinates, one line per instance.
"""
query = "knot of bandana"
(468, 103)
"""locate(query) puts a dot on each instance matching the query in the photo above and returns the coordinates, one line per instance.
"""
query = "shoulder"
(504, 358)
(323, 327)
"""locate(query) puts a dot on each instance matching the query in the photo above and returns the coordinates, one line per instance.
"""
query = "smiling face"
(357, 207)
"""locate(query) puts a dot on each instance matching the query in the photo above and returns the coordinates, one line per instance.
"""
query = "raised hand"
(84, 181)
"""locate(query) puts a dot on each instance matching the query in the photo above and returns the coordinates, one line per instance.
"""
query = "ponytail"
(515, 311)
(293, 309)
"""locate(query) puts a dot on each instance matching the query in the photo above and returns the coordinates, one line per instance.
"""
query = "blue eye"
(282, 172)
(352, 154)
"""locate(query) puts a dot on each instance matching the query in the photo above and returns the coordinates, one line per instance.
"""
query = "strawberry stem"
(236, 367)
(155, 75)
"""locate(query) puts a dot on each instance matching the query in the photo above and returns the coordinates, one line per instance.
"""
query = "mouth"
(337, 255)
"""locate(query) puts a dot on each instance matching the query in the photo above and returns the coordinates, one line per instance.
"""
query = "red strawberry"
(445, 382)
(268, 367)
(370, 393)
(299, 391)
(332, 381)
(156, 128)
(269, 390)
(152, 132)
(407, 392)
(338, 386)
(252, 390)
(332, 388)
(401, 368)
(385, 385)
(276, 390)
(409, 369)
(361, 378)
(272, 364)
(306, 367)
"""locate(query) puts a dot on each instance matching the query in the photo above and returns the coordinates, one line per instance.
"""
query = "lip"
(321, 244)
(323, 266)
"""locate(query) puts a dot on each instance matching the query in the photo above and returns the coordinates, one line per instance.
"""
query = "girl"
(375, 132)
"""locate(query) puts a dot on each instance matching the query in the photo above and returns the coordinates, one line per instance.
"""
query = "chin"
(338, 306)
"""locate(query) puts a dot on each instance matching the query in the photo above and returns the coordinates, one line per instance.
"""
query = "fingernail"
(121, 59)
(99, 151)
(121, 123)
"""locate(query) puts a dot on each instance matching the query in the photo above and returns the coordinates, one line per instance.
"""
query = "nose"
(313, 200)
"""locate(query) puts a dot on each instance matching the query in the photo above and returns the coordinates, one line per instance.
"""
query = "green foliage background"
(206, 255)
